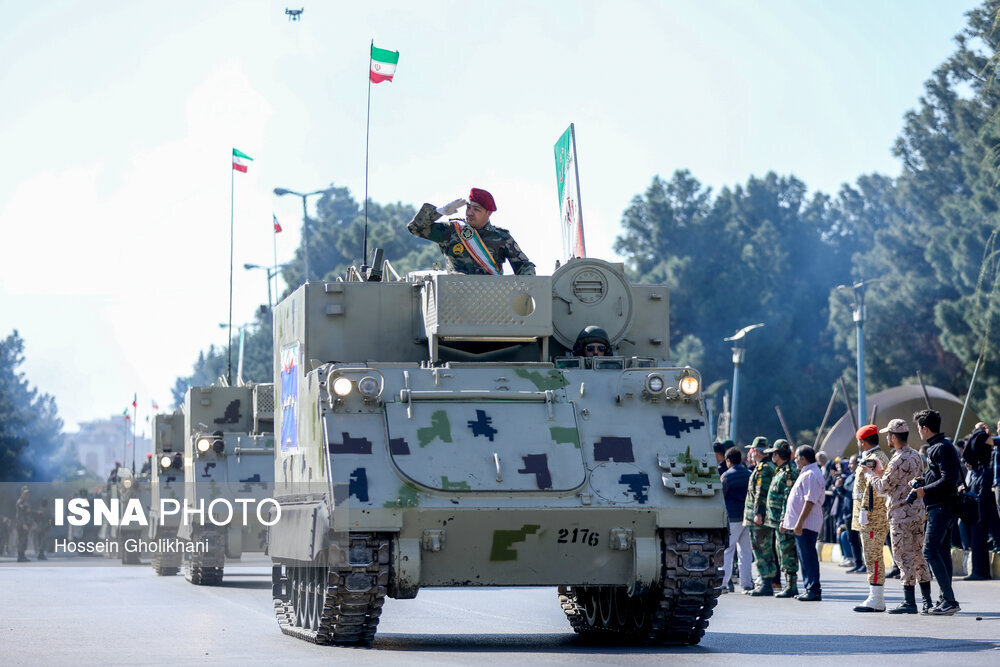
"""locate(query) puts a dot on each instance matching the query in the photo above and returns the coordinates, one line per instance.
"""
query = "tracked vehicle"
(123, 486)
(438, 431)
(228, 457)
(167, 484)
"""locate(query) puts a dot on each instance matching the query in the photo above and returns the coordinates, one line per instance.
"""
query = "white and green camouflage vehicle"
(123, 486)
(167, 482)
(228, 456)
(437, 431)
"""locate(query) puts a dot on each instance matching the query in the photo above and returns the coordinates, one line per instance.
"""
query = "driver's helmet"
(590, 334)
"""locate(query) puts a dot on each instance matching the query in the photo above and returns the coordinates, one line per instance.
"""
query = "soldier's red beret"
(867, 431)
(483, 198)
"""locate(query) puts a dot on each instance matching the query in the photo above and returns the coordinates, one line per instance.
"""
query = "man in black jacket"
(940, 493)
(734, 490)
(978, 455)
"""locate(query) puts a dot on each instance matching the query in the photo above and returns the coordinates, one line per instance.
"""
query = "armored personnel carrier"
(438, 431)
(167, 484)
(124, 485)
(228, 457)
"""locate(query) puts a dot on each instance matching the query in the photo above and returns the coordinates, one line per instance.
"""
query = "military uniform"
(873, 534)
(22, 526)
(498, 241)
(777, 497)
(906, 520)
(763, 535)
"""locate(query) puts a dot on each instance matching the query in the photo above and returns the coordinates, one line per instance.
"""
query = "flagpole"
(135, 415)
(229, 340)
(274, 271)
(368, 124)
(579, 201)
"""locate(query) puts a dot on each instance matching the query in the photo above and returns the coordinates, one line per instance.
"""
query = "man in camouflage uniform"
(871, 517)
(22, 523)
(754, 510)
(476, 247)
(785, 475)
(906, 520)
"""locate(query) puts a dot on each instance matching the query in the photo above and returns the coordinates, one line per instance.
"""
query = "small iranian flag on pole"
(383, 64)
(277, 225)
(241, 160)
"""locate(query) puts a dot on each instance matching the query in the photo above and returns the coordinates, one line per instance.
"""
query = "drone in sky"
(294, 14)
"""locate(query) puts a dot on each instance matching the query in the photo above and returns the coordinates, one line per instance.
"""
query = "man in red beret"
(476, 247)
(871, 517)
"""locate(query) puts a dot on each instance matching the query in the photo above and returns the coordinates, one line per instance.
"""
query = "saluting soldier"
(871, 517)
(785, 474)
(754, 510)
(476, 247)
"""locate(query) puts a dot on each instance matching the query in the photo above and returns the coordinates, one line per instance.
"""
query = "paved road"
(68, 615)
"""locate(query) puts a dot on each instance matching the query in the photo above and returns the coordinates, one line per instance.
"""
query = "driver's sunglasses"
(595, 347)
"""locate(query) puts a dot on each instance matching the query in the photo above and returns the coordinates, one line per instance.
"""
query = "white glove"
(452, 207)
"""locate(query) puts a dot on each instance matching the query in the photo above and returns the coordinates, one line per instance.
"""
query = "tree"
(31, 447)
(763, 252)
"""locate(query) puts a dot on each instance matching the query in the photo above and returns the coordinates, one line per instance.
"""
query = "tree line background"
(765, 251)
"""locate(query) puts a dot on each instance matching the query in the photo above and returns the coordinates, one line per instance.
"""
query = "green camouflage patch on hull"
(440, 428)
(503, 540)
(561, 434)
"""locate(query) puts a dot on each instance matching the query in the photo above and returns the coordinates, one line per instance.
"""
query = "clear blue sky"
(117, 120)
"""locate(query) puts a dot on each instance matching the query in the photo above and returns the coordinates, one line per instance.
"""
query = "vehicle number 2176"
(578, 536)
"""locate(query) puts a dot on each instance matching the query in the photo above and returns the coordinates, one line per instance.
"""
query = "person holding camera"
(940, 494)
(906, 515)
(870, 517)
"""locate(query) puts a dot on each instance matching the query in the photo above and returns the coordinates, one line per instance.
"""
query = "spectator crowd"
(921, 502)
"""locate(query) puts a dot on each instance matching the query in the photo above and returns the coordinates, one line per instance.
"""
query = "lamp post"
(859, 320)
(272, 272)
(305, 219)
(739, 354)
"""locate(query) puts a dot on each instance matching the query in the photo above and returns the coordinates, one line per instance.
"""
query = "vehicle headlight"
(127, 483)
(203, 444)
(368, 386)
(219, 446)
(165, 461)
(342, 386)
(689, 385)
(654, 383)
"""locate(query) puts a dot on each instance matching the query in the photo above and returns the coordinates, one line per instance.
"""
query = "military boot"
(791, 589)
(875, 600)
(925, 593)
(764, 589)
(909, 603)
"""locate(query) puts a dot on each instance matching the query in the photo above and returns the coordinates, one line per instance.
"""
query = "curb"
(961, 560)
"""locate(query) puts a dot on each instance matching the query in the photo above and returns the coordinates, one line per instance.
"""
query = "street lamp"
(739, 354)
(271, 273)
(859, 320)
(305, 219)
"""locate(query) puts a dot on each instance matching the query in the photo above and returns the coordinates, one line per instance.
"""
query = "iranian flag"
(241, 160)
(277, 225)
(383, 64)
